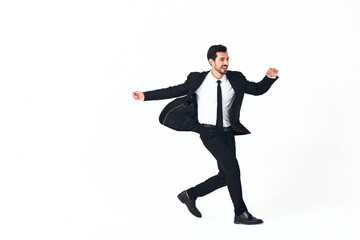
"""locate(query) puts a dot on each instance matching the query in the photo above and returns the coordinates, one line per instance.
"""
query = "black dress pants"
(221, 144)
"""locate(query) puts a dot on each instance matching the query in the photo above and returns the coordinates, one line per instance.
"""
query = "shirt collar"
(211, 77)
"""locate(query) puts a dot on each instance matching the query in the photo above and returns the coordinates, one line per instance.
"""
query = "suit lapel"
(235, 85)
(200, 79)
(232, 81)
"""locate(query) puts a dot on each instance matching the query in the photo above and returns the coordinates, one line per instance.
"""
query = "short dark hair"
(214, 49)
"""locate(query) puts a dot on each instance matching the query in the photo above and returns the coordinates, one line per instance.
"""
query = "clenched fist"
(272, 72)
(138, 95)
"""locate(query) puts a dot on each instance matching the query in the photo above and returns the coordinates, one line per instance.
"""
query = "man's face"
(221, 62)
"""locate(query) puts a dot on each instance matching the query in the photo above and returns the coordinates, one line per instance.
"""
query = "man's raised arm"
(264, 85)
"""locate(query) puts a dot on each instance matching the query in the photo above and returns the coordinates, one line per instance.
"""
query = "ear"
(211, 61)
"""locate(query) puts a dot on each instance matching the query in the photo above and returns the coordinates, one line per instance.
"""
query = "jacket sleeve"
(259, 87)
(170, 92)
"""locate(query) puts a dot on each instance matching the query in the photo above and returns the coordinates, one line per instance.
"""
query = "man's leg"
(222, 147)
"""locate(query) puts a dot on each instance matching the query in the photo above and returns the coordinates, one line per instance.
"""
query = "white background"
(80, 159)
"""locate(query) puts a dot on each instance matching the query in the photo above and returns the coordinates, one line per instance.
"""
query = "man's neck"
(216, 74)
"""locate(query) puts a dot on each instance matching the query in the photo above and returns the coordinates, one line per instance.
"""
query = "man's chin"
(222, 71)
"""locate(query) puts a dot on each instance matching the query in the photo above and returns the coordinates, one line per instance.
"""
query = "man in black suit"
(211, 106)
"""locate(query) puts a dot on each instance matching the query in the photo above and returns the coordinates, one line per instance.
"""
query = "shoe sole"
(255, 223)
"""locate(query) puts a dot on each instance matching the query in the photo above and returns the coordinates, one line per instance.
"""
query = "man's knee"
(232, 170)
(222, 178)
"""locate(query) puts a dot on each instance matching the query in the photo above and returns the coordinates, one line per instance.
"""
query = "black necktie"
(219, 114)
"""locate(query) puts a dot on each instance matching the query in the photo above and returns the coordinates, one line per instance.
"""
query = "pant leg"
(222, 147)
(208, 186)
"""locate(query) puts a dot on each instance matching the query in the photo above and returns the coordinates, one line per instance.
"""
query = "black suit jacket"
(181, 114)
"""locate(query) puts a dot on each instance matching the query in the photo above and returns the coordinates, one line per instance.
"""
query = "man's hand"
(138, 95)
(272, 72)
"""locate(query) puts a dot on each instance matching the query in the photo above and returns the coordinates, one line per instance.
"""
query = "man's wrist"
(271, 77)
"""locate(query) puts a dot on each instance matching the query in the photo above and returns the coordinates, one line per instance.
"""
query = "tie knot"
(218, 81)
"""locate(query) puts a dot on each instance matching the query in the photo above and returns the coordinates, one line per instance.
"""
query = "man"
(211, 106)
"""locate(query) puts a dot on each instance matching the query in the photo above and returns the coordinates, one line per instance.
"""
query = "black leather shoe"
(189, 203)
(247, 218)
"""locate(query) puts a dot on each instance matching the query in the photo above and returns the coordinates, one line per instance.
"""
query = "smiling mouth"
(224, 67)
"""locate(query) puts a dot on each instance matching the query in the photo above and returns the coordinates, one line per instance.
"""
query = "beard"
(222, 70)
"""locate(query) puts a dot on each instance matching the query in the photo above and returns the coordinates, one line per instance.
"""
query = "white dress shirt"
(206, 96)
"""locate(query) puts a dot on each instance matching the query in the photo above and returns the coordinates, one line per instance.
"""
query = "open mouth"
(224, 67)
